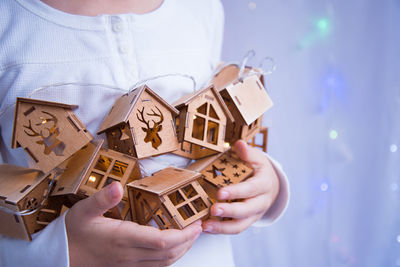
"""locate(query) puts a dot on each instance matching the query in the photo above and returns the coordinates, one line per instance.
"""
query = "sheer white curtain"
(335, 128)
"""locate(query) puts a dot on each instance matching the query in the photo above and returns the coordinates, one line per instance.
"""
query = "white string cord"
(5, 109)
(163, 76)
(57, 172)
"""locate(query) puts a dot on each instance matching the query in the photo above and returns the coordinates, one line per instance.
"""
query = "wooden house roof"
(18, 181)
(249, 100)
(185, 100)
(166, 180)
(124, 105)
(77, 167)
(34, 102)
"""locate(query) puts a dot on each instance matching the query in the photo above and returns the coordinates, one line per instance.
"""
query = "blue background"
(334, 127)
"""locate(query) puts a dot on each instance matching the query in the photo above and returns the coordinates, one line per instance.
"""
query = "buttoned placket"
(122, 38)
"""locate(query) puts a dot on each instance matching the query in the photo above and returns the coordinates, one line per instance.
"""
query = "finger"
(250, 154)
(100, 202)
(252, 187)
(243, 209)
(135, 255)
(153, 238)
(232, 227)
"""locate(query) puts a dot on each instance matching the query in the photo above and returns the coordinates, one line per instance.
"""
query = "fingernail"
(218, 212)
(223, 194)
(112, 191)
(208, 228)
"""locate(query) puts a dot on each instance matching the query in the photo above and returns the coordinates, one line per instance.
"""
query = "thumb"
(101, 201)
(249, 154)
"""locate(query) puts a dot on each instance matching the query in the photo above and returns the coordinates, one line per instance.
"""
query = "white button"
(117, 27)
(124, 49)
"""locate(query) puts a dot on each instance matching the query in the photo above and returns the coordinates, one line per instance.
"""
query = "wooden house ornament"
(172, 198)
(246, 99)
(141, 124)
(93, 168)
(220, 171)
(49, 132)
(24, 189)
(202, 121)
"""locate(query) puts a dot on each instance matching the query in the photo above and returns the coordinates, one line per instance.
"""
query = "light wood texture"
(193, 151)
(141, 124)
(247, 101)
(264, 140)
(221, 170)
(205, 120)
(49, 132)
(172, 198)
(21, 189)
(93, 167)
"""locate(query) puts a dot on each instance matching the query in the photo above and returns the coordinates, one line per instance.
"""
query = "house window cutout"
(212, 132)
(103, 163)
(189, 191)
(176, 198)
(119, 168)
(186, 212)
(202, 109)
(109, 181)
(198, 128)
(213, 114)
(199, 204)
(94, 180)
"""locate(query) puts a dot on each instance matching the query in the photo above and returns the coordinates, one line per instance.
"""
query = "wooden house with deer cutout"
(23, 190)
(49, 132)
(93, 168)
(245, 98)
(170, 198)
(141, 124)
(202, 121)
(221, 170)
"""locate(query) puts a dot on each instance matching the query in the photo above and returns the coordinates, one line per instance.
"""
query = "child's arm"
(98, 241)
(259, 193)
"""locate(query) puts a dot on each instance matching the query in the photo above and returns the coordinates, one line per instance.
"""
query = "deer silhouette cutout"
(152, 132)
(51, 142)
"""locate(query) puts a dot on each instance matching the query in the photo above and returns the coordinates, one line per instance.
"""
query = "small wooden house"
(23, 189)
(49, 132)
(221, 170)
(92, 168)
(246, 99)
(171, 198)
(201, 124)
(141, 124)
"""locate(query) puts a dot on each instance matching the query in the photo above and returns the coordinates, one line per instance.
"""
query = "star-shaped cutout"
(227, 181)
(223, 161)
(243, 171)
(235, 166)
(217, 172)
(236, 174)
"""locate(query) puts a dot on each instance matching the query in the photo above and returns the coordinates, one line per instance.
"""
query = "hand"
(94, 240)
(258, 193)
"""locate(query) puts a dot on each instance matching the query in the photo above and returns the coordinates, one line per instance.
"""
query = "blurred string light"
(393, 148)
(333, 134)
(331, 88)
(324, 187)
(252, 5)
(322, 28)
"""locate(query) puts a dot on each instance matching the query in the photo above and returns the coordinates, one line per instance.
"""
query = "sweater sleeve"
(278, 208)
(48, 248)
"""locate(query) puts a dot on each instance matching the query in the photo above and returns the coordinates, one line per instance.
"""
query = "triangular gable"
(184, 101)
(250, 98)
(34, 102)
(124, 105)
